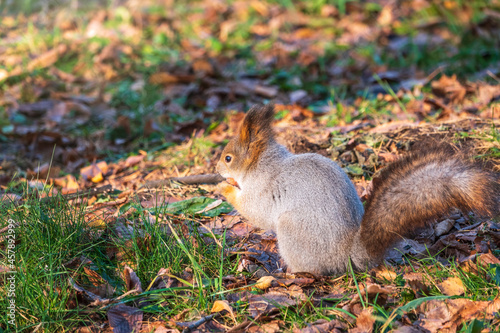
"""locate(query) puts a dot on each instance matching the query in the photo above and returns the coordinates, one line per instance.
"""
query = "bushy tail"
(421, 186)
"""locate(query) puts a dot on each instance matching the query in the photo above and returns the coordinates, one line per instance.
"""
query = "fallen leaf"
(372, 290)
(125, 319)
(416, 283)
(449, 87)
(211, 206)
(197, 205)
(364, 322)
(452, 286)
(264, 282)
(449, 314)
(202, 66)
(221, 305)
(385, 273)
(488, 258)
(262, 304)
(97, 223)
(443, 227)
(94, 172)
(271, 327)
(297, 281)
(323, 326)
(9, 197)
(48, 58)
(97, 178)
(132, 281)
(133, 160)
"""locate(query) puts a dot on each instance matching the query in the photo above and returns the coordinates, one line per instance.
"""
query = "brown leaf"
(450, 88)
(125, 319)
(407, 329)
(323, 326)
(48, 58)
(385, 17)
(132, 281)
(264, 282)
(253, 86)
(416, 283)
(133, 160)
(487, 93)
(443, 227)
(438, 315)
(94, 172)
(271, 327)
(261, 304)
(488, 258)
(93, 276)
(57, 113)
(36, 109)
(297, 281)
(202, 66)
(452, 286)
(164, 280)
(166, 78)
(372, 289)
(364, 322)
(9, 197)
(163, 78)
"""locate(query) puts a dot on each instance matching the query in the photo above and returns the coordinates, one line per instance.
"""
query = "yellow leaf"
(386, 274)
(452, 286)
(97, 223)
(264, 282)
(97, 178)
(221, 306)
(3, 74)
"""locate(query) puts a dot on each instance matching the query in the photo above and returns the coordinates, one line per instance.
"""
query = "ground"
(106, 109)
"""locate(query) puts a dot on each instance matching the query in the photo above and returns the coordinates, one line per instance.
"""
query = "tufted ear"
(257, 125)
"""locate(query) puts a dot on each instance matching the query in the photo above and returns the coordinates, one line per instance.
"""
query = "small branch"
(89, 192)
(471, 226)
(240, 326)
(71, 196)
(199, 322)
(212, 178)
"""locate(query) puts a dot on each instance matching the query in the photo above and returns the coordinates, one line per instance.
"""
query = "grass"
(469, 55)
(49, 236)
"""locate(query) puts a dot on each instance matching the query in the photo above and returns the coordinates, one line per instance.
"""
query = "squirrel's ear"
(257, 124)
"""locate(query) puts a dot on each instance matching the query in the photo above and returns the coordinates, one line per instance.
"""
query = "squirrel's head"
(254, 135)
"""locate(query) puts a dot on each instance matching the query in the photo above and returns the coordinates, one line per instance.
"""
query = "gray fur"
(309, 202)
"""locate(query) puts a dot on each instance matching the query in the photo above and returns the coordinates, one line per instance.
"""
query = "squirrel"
(313, 207)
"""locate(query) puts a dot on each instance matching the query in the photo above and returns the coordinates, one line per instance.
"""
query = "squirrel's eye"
(228, 159)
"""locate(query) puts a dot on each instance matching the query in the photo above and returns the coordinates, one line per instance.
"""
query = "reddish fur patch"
(229, 192)
(256, 132)
(422, 186)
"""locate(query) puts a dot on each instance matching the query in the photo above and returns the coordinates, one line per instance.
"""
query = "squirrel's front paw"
(228, 191)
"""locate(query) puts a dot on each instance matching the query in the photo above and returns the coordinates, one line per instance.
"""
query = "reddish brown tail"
(420, 187)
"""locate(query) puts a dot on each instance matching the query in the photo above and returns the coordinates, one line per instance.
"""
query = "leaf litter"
(51, 110)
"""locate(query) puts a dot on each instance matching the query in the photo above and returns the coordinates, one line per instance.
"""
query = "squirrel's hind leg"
(298, 247)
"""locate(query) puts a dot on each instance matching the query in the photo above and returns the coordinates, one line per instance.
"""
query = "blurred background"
(102, 79)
